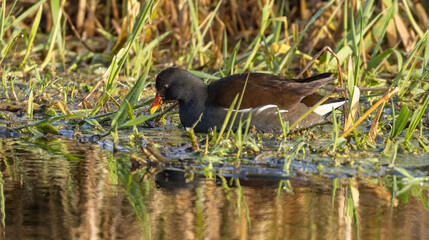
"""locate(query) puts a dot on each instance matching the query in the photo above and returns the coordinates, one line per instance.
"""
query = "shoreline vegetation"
(95, 64)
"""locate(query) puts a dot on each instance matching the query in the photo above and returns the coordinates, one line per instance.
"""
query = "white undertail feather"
(327, 108)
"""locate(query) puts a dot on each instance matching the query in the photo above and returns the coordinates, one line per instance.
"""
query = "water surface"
(62, 189)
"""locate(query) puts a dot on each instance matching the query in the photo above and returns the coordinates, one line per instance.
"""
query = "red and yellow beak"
(155, 105)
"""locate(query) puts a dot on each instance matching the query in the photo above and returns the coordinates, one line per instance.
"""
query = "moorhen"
(264, 94)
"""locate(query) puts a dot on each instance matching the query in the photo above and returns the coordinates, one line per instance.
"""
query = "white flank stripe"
(240, 111)
(258, 110)
(327, 108)
(261, 109)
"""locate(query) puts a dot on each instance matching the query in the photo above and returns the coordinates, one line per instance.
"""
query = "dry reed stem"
(374, 126)
(80, 16)
(384, 99)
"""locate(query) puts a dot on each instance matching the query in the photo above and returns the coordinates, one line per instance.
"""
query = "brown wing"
(264, 89)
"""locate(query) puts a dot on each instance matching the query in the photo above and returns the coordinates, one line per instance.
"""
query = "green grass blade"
(400, 122)
(225, 48)
(24, 14)
(49, 120)
(2, 199)
(225, 122)
(203, 75)
(53, 35)
(12, 39)
(2, 19)
(355, 39)
(107, 35)
(121, 57)
(30, 104)
(5, 70)
(412, 20)
(194, 15)
(130, 114)
(139, 120)
(278, 27)
(282, 124)
(385, 22)
(377, 60)
(411, 56)
(246, 129)
(229, 66)
(417, 116)
(238, 106)
(410, 72)
(426, 59)
(33, 33)
(195, 30)
(266, 10)
(131, 99)
(11, 8)
(335, 130)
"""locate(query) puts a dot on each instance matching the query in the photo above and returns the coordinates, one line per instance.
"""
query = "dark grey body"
(264, 93)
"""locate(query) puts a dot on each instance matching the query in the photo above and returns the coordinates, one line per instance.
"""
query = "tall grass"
(55, 35)
(32, 35)
(122, 56)
(197, 42)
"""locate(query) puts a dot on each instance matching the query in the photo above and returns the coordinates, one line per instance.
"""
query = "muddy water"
(60, 189)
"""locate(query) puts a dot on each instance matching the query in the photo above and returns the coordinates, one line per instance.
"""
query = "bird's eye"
(165, 86)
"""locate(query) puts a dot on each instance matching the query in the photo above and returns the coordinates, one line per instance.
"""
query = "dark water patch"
(62, 189)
